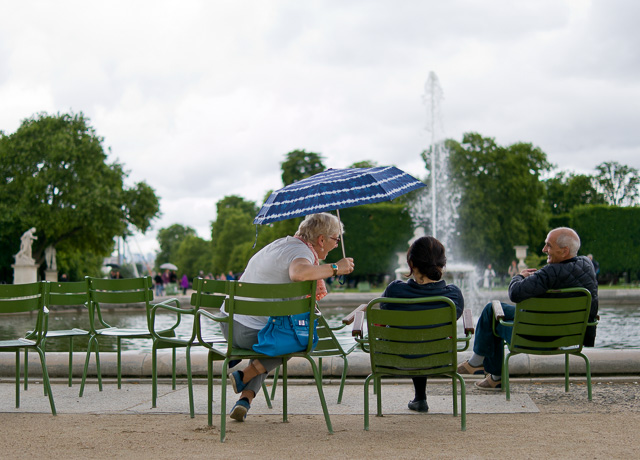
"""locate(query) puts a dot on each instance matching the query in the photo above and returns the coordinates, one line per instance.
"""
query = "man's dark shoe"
(419, 406)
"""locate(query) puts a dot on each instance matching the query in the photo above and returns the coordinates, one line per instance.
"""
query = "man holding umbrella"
(286, 260)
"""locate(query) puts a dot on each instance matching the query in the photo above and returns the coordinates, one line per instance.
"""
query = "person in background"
(596, 265)
(159, 284)
(513, 269)
(285, 260)
(489, 275)
(426, 259)
(184, 284)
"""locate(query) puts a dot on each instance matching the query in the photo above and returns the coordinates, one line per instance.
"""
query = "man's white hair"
(568, 238)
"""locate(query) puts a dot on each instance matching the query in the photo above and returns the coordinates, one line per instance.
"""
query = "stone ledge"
(138, 364)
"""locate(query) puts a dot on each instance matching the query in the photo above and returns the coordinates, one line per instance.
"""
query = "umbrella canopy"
(335, 189)
(168, 266)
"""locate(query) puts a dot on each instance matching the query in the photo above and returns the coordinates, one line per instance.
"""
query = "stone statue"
(24, 256)
(50, 258)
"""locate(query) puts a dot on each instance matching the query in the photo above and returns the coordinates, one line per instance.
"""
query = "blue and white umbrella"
(335, 189)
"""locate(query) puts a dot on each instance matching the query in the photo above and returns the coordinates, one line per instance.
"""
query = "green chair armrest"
(351, 316)
(212, 317)
(358, 324)
(467, 322)
(498, 313)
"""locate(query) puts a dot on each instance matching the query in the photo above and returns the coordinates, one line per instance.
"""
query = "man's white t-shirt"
(270, 265)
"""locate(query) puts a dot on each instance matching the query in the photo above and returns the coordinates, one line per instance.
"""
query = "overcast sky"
(202, 99)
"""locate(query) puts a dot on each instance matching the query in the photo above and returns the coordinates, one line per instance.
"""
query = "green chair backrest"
(412, 342)
(118, 292)
(557, 320)
(327, 341)
(68, 293)
(24, 298)
(208, 294)
(257, 299)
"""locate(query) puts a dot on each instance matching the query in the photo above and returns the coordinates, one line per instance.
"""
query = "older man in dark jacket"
(564, 269)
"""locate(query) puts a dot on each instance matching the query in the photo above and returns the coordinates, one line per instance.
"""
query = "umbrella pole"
(341, 235)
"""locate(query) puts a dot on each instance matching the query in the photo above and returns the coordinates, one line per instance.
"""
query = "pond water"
(618, 328)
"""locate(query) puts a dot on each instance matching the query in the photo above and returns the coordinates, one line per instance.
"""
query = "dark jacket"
(411, 289)
(574, 272)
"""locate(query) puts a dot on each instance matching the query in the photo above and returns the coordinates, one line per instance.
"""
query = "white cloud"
(202, 99)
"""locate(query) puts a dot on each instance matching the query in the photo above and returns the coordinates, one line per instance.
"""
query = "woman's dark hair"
(427, 255)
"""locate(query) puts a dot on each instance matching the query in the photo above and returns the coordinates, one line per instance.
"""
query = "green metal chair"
(27, 298)
(258, 300)
(328, 345)
(121, 292)
(553, 324)
(163, 342)
(62, 295)
(413, 343)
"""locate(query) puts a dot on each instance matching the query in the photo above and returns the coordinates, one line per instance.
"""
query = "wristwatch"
(335, 269)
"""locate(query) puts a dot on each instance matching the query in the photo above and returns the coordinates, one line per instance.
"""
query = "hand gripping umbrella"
(334, 189)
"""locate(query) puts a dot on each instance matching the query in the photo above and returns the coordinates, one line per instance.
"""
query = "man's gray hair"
(568, 238)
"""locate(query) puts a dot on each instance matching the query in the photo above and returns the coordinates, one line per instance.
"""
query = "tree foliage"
(566, 190)
(56, 178)
(300, 164)
(620, 184)
(194, 255)
(232, 228)
(169, 240)
(501, 202)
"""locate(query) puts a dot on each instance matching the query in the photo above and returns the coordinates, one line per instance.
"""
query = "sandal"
(489, 384)
(466, 368)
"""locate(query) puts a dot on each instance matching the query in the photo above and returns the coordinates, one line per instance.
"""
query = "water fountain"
(436, 207)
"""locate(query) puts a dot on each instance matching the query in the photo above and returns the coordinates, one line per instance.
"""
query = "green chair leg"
(192, 412)
(366, 401)
(45, 380)
(318, 378)
(463, 402)
(345, 367)
(173, 369)
(26, 369)
(119, 359)
(275, 382)
(566, 373)
(17, 379)
(70, 360)
(223, 401)
(154, 374)
(284, 390)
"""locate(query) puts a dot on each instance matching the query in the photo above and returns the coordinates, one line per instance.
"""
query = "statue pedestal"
(23, 274)
(51, 275)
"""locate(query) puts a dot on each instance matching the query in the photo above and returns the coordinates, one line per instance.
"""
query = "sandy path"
(567, 427)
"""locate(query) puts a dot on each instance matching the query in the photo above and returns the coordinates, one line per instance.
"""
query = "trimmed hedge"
(373, 235)
(612, 235)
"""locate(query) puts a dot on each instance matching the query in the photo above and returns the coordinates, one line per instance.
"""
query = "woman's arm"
(303, 270)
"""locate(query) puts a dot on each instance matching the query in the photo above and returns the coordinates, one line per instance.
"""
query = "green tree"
(299, 165)
(619, 183)
(233, 227)
(194, 254)
(57, 179)
(169, 240)
(501, 202)
(566, 190)
(364, 164)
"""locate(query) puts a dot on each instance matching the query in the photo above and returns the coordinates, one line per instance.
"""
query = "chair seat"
(16, 343)
(117, 331)
(66, 332)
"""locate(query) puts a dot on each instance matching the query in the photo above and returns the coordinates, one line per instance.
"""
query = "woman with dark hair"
(426, 259)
